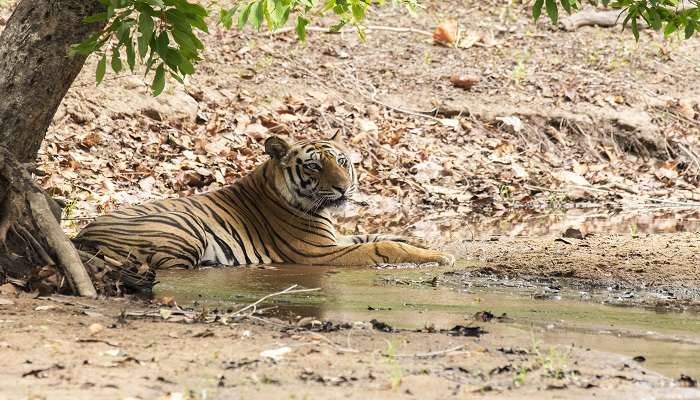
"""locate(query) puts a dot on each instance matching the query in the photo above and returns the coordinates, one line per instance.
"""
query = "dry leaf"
(464, 81)
(446, 32)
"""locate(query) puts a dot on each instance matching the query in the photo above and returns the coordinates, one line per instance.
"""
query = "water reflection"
(405, 298)
(529, 223)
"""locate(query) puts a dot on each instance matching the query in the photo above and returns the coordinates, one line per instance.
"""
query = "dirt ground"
(670, 261)
(67, 348)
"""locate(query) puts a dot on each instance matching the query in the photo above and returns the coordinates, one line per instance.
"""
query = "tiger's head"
(317, 174)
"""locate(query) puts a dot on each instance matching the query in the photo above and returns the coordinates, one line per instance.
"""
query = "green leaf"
(130, 55)
(635, 29)
(689, 29)
(257, 15)
(300, 27)
(116, 61)
(552, 10)
(226, 17)
(358, 12)
(245, 14)
(567, 5)
(652, 18)
(146, 28)
(158, 83)
(176, 77)
(186, 67)
(670, 28)
(124, 30)
(537, 9)
(101, 69)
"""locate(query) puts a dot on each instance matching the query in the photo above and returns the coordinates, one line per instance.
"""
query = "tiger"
(278, 213)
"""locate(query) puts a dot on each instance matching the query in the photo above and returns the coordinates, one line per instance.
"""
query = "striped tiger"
(279, 213)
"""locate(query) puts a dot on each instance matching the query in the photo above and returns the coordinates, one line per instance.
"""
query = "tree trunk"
(35, 68)
(35, 74)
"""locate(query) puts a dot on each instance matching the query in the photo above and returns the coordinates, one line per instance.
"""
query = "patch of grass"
(396, 374)
(521, 70)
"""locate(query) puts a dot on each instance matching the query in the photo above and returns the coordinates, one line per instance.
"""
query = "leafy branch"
(671, 15)
(163, 35)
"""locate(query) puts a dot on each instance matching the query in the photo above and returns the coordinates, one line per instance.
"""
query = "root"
(37, 233)
(65, 251)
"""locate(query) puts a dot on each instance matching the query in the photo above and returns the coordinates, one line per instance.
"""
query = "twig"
(366, 29)
(433, 353)
(289, 290)
(335, 346)
(675, 203)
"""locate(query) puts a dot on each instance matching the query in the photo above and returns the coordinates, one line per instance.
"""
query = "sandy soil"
(81, 349)
(656, 261)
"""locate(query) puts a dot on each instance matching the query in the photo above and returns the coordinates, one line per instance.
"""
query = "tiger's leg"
(384, 252)
(370, 238)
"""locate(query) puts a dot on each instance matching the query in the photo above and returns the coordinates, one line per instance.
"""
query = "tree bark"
(35, 68)
(36, 71)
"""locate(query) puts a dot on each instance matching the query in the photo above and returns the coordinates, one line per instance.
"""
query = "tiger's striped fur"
(278, 213)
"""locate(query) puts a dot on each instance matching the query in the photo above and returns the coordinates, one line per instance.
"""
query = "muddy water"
(410, 298)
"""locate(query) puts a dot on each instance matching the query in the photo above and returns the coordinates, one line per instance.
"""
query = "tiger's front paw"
(445, 259)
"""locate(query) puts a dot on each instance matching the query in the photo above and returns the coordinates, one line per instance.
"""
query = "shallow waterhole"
(411, 298)
(405, 298)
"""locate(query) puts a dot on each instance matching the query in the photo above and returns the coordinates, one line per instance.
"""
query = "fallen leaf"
(464, 81)
(165, 313)
(446, 32)
(513, 122)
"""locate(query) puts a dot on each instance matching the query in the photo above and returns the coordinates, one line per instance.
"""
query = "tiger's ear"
(337, 137)
(276, 147)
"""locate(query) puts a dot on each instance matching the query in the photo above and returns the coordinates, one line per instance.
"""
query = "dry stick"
(433, 353)
(366, 29)
(289, 290)
(334, 345)
(67, 255)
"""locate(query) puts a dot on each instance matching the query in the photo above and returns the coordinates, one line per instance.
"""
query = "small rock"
(573, 233)
(381, 326)
(276, 354)
(96, 328)
(687, 381)
(6, 302)
(8, 289)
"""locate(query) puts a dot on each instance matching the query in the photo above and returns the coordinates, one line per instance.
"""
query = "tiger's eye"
(312, 166)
